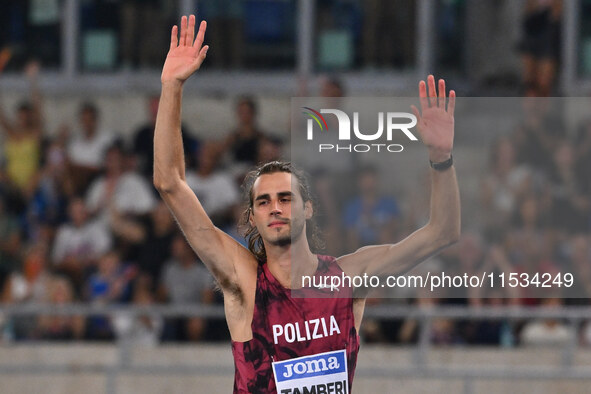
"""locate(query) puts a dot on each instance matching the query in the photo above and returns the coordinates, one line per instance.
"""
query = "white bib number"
(323, 373)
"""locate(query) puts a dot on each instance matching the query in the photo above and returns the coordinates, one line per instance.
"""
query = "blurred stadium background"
(101, 294)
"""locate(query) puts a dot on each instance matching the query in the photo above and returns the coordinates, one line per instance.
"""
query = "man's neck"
(291, 262)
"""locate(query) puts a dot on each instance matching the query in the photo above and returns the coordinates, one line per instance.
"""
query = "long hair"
(250, 232)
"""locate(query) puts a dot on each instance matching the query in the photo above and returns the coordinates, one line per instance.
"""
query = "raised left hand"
(436, 124)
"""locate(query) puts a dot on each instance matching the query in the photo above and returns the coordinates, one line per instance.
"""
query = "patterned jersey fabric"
(286, 327)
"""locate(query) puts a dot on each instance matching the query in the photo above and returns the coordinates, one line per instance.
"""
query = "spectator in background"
(60, 327)
(541, 129)
(215, 188)
(86, 150)
(332, 90)
(540, 45)
(531, 215)
(329, 219)
(109, 285)
(22, 144)
(31, 285)
(185, 281)
(582, 147)
(79, 243)
(496, 262)
(547, 332)
(489, 332)
(119, 188)
(416, 207)
(522, 242)
(233, 229)
(122, 199)
(242, 143)
(142, 330)
(143, 140)
(579, 264)
(585, 335)
(269, 149)
(571, 207)
(469, 260)
(443, 330)
(369, 218)
(331, 87)
(529, 219)
(10, 242)
(53, 189)
(505, 184)
(155, 248)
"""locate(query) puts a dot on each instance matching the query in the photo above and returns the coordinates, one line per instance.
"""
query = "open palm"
(436, 124)
(186, 53)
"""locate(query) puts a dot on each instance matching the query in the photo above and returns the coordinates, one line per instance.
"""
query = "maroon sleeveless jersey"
(299, 344)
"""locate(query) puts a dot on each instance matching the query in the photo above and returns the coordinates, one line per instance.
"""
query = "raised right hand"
(185, 54)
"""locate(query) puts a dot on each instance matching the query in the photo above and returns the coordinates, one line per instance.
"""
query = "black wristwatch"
(444, 165)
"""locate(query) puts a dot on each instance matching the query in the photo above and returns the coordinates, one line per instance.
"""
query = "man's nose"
(275, 207)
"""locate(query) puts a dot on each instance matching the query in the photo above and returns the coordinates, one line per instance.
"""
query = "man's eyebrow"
(267, 196)
(263, 197)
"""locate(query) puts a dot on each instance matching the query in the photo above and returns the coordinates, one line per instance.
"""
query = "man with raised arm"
(281, 343)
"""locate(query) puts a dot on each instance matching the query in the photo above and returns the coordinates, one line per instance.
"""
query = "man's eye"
(262, 203)
(285, 199)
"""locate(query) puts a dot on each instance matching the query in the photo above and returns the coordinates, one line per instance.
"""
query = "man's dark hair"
(250, 232)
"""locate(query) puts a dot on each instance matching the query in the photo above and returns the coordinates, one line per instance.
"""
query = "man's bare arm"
(218, 250)
(436, 127)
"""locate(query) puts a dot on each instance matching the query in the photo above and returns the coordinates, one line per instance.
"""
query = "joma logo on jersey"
(388, 122)
(324, 364)
(311, 367)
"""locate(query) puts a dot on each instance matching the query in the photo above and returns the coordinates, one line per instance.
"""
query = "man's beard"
(282, 241)
(296, 232)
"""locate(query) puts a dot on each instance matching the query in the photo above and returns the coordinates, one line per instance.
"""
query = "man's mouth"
(277, 223)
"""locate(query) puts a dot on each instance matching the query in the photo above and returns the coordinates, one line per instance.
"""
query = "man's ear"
(308, 210)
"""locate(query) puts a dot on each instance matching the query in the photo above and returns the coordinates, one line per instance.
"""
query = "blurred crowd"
(81, 222)
(534, 216)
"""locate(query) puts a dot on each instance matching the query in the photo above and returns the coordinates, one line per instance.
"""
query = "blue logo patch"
(310, 366)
